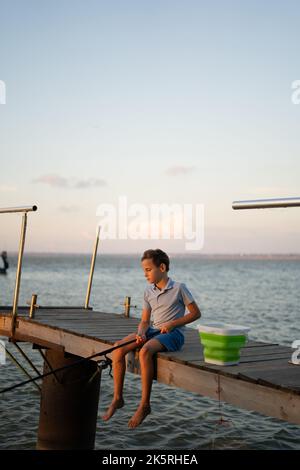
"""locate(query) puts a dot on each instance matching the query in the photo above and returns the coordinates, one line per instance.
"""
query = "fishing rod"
(107, 362)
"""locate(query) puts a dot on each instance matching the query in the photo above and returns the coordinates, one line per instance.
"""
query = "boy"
(167, 301)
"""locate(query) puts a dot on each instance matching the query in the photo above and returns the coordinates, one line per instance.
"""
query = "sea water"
(263, 294)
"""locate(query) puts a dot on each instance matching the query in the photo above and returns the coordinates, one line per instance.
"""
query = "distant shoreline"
(221, 256)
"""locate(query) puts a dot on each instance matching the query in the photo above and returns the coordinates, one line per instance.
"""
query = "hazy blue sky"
(160, 101)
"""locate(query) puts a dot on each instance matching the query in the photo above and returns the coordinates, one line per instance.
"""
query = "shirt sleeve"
(146, 305)
(187, 297)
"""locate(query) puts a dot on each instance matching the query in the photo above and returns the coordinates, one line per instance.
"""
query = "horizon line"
(228, 254)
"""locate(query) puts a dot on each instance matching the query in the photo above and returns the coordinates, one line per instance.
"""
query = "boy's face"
(153, 273)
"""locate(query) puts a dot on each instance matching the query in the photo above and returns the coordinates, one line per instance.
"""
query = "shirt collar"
(169, 285)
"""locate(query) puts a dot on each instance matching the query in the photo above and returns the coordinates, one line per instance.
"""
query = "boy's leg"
(119, 369)
(147, 370)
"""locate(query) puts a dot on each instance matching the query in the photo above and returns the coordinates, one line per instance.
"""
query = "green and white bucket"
(222, 342)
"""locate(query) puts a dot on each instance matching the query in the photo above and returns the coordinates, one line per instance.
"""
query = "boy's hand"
(140, 336)
(167, 327)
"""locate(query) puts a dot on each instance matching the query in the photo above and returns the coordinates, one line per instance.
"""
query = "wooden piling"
(69, 404)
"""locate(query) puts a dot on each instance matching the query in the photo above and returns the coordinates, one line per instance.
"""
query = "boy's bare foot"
(115, 404)
(139, 416)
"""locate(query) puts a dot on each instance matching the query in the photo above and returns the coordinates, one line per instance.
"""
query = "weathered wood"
(253, 397)
(285, 376)
(242, 369)
(72, 342)
(263, 381)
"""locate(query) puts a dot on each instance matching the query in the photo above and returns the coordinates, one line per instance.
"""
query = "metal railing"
(89, 287)
(267, 203)
(24, 210)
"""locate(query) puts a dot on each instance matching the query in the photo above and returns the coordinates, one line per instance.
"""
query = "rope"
(104, 363)
(221, 421)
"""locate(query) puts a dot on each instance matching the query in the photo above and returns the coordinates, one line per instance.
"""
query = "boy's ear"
(162, 267)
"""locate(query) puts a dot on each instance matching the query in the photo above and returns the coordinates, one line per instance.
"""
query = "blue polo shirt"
(167, 304)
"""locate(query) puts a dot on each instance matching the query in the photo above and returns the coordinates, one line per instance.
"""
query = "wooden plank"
(54, 327)
(72, 342)
(43, 343)
(260, 362)
(271, 358)
(49, 307)
(240, 371)
(243, 368)
(55, 313)
(78, 313)
(276, 374)
(263, 399)
(96, 329)
(257, 344)
(81, 318)
(265, 351)
(86, 321)
(287, 376)
(268, 360)
(195, 354)
(94, 325)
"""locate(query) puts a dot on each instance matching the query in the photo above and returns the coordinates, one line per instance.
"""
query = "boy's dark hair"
(158, 256)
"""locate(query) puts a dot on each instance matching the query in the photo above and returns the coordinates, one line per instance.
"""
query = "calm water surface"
(262, 294)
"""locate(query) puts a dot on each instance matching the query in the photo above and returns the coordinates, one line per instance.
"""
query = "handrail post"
(18, 275)
(11, 210)
(127, 306)
(88, 293)
(33, 305)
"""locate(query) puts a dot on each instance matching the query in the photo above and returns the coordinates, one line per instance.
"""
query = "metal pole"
(32, 306)
(18, 275)
(26, 357)
(267, 203)
(88, 293)
(20, 366)
(127, 306)
(9, 210)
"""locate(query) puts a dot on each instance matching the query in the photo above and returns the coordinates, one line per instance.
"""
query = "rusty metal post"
(90, 282)
(33, 305)
(68, 411)
(18, 274)
(127, 306)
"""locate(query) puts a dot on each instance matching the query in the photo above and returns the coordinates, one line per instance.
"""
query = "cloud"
(56, 181)
(53, 180)
(179, 170)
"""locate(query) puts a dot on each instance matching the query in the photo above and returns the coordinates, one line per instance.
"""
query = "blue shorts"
(172, 341)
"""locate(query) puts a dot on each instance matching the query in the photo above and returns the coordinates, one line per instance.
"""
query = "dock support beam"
(69, 404)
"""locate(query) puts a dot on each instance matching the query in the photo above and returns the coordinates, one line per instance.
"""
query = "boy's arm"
(146, 315)
(189, 302)
(145, 321)
(144, 324)
(194, 314)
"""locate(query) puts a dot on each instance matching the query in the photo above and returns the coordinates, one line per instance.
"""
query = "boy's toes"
(115, 404)
(139, 416)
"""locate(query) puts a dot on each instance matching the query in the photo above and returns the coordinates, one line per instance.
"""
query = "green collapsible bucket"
(222, 342)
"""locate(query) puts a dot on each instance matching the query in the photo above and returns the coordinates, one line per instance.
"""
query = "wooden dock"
(264, 381)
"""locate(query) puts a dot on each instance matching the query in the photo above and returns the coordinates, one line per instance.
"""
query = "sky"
(159, 102)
